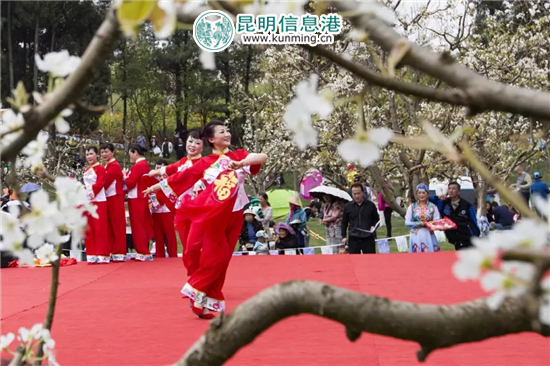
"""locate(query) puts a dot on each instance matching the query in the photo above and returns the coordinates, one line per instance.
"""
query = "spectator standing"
(539, 189)
(266, 210)
(361, 216)
(180, 149)
(461, 212)
(333, 211)
(167, 148)
(298, 214)
(387, 210)
(141, 140)
(153, 144)
(523, 184)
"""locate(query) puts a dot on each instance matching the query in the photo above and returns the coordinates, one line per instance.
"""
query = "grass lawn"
(398, 229)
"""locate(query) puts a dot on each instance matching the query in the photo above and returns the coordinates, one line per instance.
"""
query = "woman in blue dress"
(418, 213)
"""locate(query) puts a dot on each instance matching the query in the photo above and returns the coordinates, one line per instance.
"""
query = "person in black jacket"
(361, 216)
(461, 212)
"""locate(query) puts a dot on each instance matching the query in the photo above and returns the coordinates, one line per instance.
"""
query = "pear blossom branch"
(51, 302)
(17, 359)
(474, 90)
(387, 193)
(432, 326)
(38, 117)
(511, 197)
(449, 96)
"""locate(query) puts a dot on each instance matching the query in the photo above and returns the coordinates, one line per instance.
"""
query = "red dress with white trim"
(141, 221)
(216, 216)
(115, 210)
(98, 249)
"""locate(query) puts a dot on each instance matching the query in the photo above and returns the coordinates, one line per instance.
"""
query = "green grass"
(398, 229)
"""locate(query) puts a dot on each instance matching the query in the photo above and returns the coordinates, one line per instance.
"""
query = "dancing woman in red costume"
(216, 214)
(138, 206)
(193, 146)
(116, 214)
(98, 249)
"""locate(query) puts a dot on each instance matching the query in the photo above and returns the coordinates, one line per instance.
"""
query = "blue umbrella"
(29, 188)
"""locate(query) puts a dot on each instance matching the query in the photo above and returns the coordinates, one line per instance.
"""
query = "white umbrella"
(319, 191)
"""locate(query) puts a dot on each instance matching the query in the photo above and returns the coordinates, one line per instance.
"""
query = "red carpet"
(132, 313)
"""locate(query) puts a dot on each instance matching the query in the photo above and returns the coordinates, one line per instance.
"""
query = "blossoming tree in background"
(361, 117)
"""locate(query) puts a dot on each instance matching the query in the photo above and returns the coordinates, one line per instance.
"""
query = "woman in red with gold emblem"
(216, 214)
(138, 206)
(97, 247)
(115, 203)
(193, 146)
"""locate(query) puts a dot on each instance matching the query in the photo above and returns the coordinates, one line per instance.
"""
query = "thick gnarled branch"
(432, 326)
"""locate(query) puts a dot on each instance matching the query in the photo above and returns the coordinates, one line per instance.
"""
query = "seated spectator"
(286, 238)
(262, 246)
(503, 217)
(251, 226)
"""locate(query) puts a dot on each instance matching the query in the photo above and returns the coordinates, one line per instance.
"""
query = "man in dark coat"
(361, 216)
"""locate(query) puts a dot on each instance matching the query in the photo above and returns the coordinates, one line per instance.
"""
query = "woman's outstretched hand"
(151, 189)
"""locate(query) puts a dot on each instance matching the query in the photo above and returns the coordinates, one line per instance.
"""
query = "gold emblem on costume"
(224, 185)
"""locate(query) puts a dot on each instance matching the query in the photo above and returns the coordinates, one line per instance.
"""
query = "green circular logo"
(214, 34)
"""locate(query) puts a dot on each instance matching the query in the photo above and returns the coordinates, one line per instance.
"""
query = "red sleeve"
(111, 173)
(241, 154)
(133, 178)
(173, 168)
(100, 181)
(180, 182)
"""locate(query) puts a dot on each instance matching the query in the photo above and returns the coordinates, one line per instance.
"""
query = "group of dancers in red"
(201, 197)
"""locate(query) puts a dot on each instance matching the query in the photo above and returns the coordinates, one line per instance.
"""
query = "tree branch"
(432, 326)
(38, 117)
(478, 92)
(449, 96)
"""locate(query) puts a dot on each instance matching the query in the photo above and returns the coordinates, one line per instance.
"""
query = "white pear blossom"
(365, 146)
(168, 23)
(59, 64)
(208, 60)
(12, 235)
(35, 151)
(6, 340)
(61, 125)
(26, 335)
(306, 103)
(512, 280)
(25, 257)
(294, 7)
(10, 122)
(527, 233)
(542, 205)
(472, 262)
(42, 218)
(544, 309)
(46, 253)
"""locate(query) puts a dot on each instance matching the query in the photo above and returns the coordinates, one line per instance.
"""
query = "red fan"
(442, 225)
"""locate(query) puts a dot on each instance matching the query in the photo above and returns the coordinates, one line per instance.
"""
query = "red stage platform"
(133, 314)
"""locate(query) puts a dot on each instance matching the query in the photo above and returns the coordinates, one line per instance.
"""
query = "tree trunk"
(185, 86)
(247, 72)
(164, 119)
(179, 99)
(10, 49)
(124, 96)
(52, 44)
(227, 86)
(36, 39)
(481, 188)
(296, 176)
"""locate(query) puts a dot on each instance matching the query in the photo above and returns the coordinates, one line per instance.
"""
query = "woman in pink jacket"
(387, 210)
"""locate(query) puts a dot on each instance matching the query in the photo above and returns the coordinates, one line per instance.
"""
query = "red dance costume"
(216, 216)
(115, 210)
(190, 250)
(138, 206)
(163, 223)
(98, 249)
